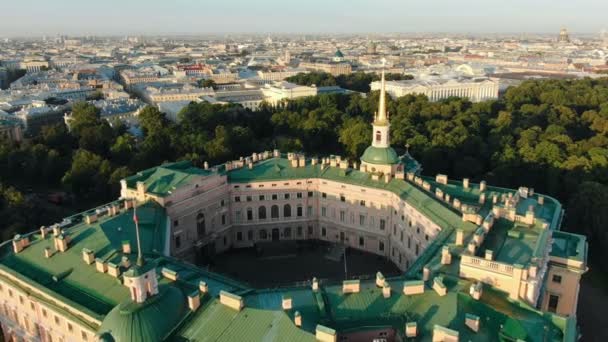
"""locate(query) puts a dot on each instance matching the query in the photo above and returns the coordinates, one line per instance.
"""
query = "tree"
(207, 83)
(88, 175)
(83, 115)
(152, 121)
(587, 213)
(355, 136)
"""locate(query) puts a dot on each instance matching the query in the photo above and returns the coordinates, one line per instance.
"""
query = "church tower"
(380, 156)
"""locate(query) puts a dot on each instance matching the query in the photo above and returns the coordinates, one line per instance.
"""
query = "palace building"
(478, 262)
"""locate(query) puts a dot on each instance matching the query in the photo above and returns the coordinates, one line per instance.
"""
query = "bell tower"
(380, 158)
(381, 124)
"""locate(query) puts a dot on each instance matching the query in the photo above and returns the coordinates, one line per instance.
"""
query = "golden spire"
(382, 118)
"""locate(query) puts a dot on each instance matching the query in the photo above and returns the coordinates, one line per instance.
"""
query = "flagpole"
(140, 258)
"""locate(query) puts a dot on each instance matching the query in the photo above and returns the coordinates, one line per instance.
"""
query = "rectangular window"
(286, 196)
(299, 195)
(362, 220)
(299, 211)
(342, 215)
(309, 230)
(310, 194)
(300, 231)
(382, 224)
(238, 216)
(249, 214)
(239, 236)
(261, 197)
(381, 246)
(557, 278)
(362, 203)
(223, 219)
(553, 302)
(324, 195)
(178, 241)
(275, 197)
(237, 198)
(309, 211)
(323, 211)
(323, 231)
(361, 241)
(175, 223)
(249, 199)
(70, 328)
(417, 249)
(222, 203)
(250, 235)
(342, 198)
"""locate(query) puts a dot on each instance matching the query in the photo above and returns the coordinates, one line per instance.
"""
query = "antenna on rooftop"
(140, 258)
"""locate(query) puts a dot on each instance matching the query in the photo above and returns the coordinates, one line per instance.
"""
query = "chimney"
(459, 237)
(100, 266)
(297, 319)
(88, 256)
(206, 165)
(426, 273)
(386, 290)
(287, 303)
(446, 256)
(194, 301)
(43, 232)
(61, 243)
(20, 242)
(141, 188)
(126, 247)
(125, 262)
(465, 183)
(482, 186)
(48, 252)
(315, 284)
(472, 247)
(202, 287)
(113, 270)
(380, 280)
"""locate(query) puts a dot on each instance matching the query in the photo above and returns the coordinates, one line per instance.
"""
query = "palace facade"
(478, 262)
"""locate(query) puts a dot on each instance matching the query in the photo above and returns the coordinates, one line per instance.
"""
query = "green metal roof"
(151, 320)
(163, 179)
(77, 281)
(569, 246)
(380, 156)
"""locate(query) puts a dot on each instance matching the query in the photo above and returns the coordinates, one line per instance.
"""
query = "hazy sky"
(37, 17)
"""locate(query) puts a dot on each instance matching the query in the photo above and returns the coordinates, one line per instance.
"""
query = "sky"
(120, 17)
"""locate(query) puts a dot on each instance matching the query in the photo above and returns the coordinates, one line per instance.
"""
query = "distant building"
(274, 93)
(335, 69)
(172, 92)
(10, 127)
(479, 89)
(279, 75)
(38, 114)
(564, 37)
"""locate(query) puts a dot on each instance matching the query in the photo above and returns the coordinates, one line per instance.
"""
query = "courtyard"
(285, 263)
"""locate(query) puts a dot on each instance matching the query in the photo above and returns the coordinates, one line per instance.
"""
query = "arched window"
(378, 136)
(274, 211)
(286, 210)
(200, 225)
(262, 213)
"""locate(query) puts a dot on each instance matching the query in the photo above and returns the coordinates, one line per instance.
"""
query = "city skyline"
(37, 18)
